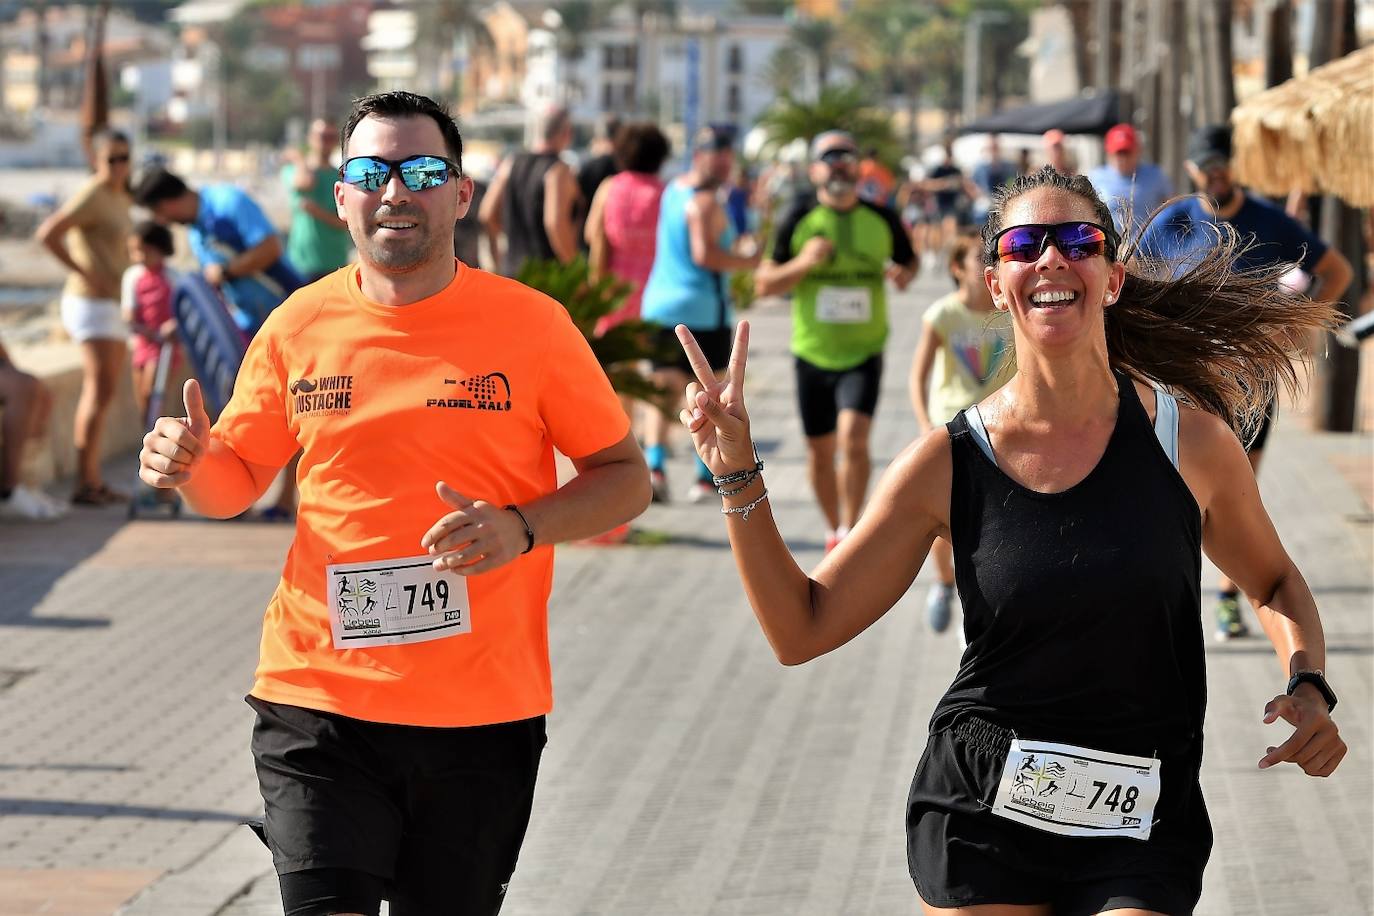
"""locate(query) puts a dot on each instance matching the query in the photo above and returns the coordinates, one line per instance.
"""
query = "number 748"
(1114, 801)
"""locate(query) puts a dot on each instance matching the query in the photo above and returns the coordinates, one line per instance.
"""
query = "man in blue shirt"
(1186, 232)
(237, 246)
(989, 175)
(1133, 189)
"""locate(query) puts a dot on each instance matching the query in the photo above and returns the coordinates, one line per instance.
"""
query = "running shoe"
(659, 482)
(940, 606)
(1229, 622)
(28, 505)
(701, 491)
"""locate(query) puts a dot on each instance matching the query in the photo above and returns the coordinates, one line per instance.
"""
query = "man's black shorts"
(960, 854)
(822, 394)
(437, 814)
(715, 343)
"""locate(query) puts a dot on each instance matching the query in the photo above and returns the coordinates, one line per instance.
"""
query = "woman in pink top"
(623, 220)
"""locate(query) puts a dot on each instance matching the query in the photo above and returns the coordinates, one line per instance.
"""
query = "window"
(734, 59)
(619, 58)
(732, 99)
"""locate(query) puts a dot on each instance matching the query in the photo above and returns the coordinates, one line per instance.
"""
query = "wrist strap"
(724, 480)
(529, 532)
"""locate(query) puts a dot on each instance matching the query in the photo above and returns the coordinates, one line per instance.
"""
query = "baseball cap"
(1052, 136)
(832, 139)
(1210, 144)
(714, 138)
(1121, 138)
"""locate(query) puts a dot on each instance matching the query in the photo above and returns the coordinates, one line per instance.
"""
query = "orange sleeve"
(576, 402)
(255, 423)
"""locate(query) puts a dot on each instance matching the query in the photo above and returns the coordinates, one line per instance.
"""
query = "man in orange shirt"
(404, 673)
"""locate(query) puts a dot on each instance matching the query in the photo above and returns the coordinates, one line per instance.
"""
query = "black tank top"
(524, 211)
(1082, 608)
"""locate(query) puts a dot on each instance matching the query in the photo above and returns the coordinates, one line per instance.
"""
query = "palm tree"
(438, 27)
(883, 35)
(819, 39)
(847, 108)
(783, 71)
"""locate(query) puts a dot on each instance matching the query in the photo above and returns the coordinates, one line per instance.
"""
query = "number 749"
(438, 590)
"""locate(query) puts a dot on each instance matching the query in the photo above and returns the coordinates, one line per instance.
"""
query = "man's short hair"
(832, 138)
(608, 127)
(551, 122)
(157, 185)
(155, 234)
(401, 104)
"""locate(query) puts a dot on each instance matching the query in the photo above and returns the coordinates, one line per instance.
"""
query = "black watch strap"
(529, 532)
(1316, 679)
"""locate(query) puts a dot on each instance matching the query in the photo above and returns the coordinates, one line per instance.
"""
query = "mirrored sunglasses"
(838, 157)
(418, 173)
(1075, 241)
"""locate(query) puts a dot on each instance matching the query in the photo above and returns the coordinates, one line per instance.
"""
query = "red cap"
(1120, 139)
(1053, 136)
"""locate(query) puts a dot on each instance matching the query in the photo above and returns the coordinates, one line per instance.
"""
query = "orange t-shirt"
(476, 386)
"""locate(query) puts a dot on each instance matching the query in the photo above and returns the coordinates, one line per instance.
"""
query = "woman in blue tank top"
(1061, 770)
(690, 284)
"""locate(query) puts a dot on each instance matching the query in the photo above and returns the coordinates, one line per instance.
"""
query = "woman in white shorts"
(89, 234)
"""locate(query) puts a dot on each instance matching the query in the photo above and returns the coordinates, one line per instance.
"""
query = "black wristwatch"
(1316, 680)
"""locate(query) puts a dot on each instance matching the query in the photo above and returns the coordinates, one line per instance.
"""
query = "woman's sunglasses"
(1075, 241)
(418, 173)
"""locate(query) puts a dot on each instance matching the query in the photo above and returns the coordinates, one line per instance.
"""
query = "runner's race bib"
(844, 304)
(1077, 791)
(394, 602)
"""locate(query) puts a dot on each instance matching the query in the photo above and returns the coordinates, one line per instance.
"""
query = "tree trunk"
(1276, 37)
(1338, 372)
(1081, 25)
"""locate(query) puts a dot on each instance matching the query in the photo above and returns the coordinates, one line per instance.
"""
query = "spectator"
(145, 296)
(601, 164)
(238, 248)
(623, 220)
(947, 182)
(317, 243)
(1023, 162)
(468, 231)
(876, 182)
(89, 236)
(1056, 155)
(990, 174)
(1131, 188)
(532, 198)
(27, 404)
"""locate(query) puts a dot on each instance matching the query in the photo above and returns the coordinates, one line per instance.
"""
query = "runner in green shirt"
(834, 253)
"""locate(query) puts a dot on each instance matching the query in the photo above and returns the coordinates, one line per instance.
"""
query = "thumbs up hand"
(476, 537)
(176, 444)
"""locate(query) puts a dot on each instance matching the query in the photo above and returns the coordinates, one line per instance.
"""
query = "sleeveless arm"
(860, 581)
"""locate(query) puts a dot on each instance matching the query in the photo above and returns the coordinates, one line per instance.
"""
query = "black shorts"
(432, 819)
(715, 344)
(1255, 436)
(822, 393)
(961, 854)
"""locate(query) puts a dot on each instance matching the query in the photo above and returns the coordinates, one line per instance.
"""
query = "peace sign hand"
(715, 414)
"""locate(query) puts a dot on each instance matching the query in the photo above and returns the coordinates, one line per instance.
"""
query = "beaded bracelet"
(743, 511)
(736, 476)
(748, 482)
(529, 532)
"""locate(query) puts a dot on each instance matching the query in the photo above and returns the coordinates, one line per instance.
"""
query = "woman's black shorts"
(715, 343)
(431, 819)
(961, 854)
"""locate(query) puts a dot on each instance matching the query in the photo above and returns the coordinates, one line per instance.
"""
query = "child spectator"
(146, 300)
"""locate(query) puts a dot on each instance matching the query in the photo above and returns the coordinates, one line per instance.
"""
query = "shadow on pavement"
(43, 807)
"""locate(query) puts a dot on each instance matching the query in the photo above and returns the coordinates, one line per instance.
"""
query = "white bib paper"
(844, 304)
(1077, 791)
(392, 602)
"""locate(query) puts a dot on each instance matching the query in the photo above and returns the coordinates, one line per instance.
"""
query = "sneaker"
(28, 505)
(701, 491)
(940, 607)
(1229, 622)
(659, 482)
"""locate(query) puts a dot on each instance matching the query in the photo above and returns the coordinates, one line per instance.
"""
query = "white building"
(700, 69)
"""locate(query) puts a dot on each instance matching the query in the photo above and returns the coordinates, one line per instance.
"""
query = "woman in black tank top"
(1061, 771)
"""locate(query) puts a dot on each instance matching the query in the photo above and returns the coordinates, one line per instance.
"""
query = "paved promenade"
(686, 771)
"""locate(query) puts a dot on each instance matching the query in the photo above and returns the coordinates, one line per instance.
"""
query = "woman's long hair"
(1218, 337)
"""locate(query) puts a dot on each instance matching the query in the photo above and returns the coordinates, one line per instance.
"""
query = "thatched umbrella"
(1313, 133)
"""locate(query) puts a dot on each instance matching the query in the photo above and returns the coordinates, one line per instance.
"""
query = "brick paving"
(686, 772)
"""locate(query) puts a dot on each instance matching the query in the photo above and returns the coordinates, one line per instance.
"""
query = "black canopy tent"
(1093, 113)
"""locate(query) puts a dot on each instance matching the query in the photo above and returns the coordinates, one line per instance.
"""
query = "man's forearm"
(221, 486)
(596, 500)
(773, 279)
